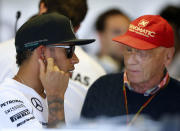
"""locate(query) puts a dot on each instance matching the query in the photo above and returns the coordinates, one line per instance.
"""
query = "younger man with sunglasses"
(45, 54)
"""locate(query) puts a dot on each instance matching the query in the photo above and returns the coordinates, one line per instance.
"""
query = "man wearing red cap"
(145, 87)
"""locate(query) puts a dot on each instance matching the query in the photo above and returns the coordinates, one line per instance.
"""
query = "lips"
(133, 71)
(71, 71)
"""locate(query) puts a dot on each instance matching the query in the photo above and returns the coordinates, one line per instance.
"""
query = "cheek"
(125, 59)
(61, 61)
(152, 67)
(147, 69)
(104, 41)
(63, 65)
(109, 39)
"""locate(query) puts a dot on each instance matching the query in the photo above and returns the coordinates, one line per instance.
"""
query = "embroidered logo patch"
(143, 23)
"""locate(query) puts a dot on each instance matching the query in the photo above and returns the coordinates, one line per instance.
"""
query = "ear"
(40, 52)
(169, 56)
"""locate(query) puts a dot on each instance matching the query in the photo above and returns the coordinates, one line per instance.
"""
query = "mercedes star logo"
(37, 104)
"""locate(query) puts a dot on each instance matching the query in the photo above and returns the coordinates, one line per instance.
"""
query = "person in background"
(45, 55)
(109, 24)
(145, 87)
(42, 6)
(85, 73)
(172, 15)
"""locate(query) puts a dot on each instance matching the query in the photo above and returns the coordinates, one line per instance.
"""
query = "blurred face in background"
(115, 25)
(42, 8)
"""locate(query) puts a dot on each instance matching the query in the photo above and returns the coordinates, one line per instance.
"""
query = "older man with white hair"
(145, 87)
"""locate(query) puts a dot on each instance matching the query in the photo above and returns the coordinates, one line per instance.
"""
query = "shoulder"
(172, 90)
(106, 83)
(103, 93)
(10, 93)
(15, 109)
(13, 96)
(111, 78)
(174, 83)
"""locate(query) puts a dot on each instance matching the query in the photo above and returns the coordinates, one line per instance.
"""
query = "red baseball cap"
(148, 32)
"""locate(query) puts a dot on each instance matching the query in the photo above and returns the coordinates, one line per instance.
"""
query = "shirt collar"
(152, 91)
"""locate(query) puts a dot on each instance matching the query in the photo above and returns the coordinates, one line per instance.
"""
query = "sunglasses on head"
(69, 49)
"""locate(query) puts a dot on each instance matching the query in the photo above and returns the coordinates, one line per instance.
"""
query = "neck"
(29, 78)
(144, 86)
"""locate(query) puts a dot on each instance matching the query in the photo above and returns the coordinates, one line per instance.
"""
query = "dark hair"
(100, 22)
(22, 56)
(172, 15)
(75, 10)
(42, 1)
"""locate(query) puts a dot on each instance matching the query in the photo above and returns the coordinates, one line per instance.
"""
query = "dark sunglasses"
(69, 49)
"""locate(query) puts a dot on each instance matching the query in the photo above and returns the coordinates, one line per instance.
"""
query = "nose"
(74, 59)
